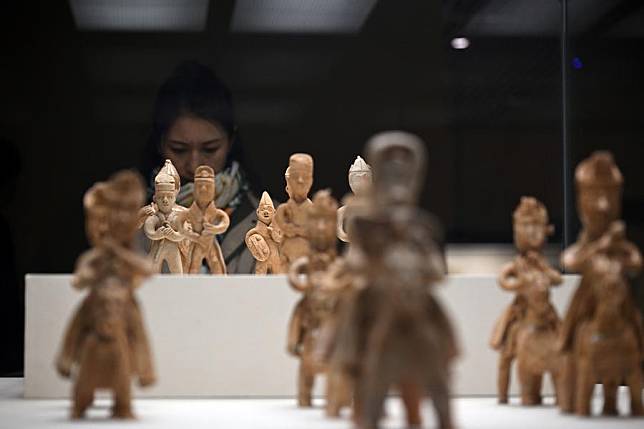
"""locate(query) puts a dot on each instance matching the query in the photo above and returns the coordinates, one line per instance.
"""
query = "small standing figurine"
(528, 328)
(151, 208)
(314, 308)
(360, 179)
(290, 217)
(263, 240)
(162, 226)
(106, 339)
(394, 332)
(599, 191)
(206, 221)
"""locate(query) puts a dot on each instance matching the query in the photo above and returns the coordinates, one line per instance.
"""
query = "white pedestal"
(218, 336)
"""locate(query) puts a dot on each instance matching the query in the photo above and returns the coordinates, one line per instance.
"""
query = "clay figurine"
(150, 209)
(528, 328)
(599, 192)
(205, 221)
(315, 307)
(263, 240)
(106, 340)
(394, 331)
(360, 179)
(162, 225)
(290, 216)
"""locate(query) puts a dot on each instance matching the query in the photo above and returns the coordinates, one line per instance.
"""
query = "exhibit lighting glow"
(300, 16)
(577, 63)
(460, 43)
(140, 15)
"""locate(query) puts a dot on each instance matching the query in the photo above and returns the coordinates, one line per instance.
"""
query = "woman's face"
(191, 142)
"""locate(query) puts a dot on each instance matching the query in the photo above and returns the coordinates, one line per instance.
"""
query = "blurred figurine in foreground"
(264, 238)
(315, 307)
(528, 328)
(602, 327)
(291, 216)
(206, 221)
(360, 179)
(394, 331)
(106, 338)
(162, 227)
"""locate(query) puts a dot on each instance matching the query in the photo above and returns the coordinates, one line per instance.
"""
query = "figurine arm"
(185, 232)
(143, 214)
(299, 268)
(509, 279)
(72, 341)
(140, 346)
(633, 259)
(340, 231)
(150, 229)
(284, 221)
(295, 330)
(222, 224)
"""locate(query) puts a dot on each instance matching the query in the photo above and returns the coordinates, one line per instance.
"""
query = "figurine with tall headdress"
(290, 216)
(263, 239)
(162, 226)
(205, 221)
(530, 276)
(360, 179)
(602, 327)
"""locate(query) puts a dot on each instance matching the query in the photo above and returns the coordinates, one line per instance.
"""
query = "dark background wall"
(77, 103)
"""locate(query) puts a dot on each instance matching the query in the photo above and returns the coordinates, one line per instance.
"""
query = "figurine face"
(265, 213)
(322, 231)
(192, 141)
(204, 191)
(530, 235)
(298, 184)
(360, 183)
(598, 207)
(397, 181)
(165, 200)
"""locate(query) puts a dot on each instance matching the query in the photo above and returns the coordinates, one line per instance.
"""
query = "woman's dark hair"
(192, 89)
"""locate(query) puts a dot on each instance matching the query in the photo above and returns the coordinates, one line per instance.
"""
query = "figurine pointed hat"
(599, 169)
(531, 210)
(166, 180)
(169, 169)
(359, 166)
(266, 200)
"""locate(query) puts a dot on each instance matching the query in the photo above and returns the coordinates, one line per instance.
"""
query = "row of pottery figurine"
(600, 338)
(184, 238)
(367, 319)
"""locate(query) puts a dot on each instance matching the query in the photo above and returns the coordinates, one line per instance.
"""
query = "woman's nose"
(195, 160)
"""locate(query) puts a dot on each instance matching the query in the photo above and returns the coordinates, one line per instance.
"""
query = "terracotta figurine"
(206, 221)
(290, 217)
(360, 179)
(162, 226)
(150, 209)
(106, 339)
(314, 308)
(528, 328)
(394, 331)
(263, 240)
(599, 192)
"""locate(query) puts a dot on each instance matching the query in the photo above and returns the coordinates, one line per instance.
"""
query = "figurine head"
(322, 220)
(112, 208)
(398, 160)
(299, 176)
(599, 192)
(531, 228)
(265, 209)
(204, 185)
(165, 190)
(360, 177)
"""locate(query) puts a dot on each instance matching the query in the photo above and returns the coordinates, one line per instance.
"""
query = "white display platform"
(225, 336)
(469, 413)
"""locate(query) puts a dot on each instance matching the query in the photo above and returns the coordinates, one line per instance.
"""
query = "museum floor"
(472, 412)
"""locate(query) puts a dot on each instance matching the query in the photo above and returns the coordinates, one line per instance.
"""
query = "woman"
(194, 125)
